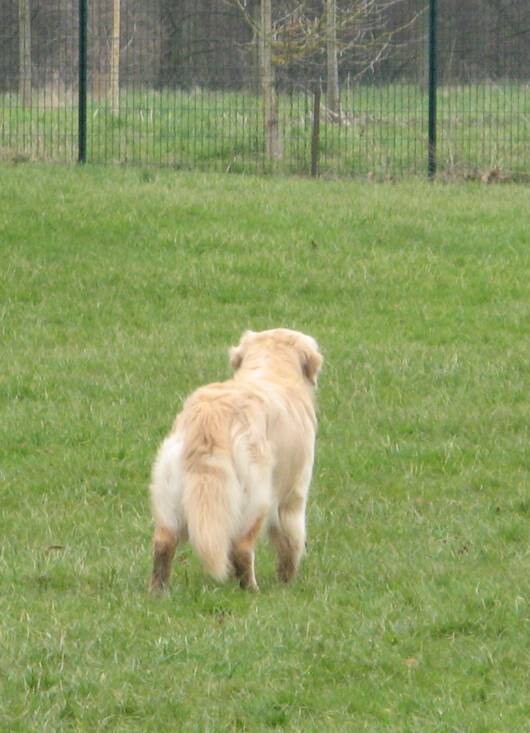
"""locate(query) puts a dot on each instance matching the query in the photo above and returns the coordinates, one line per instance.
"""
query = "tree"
(24, 44)
(314, 39)
(114, 65)
(332, 97)
(273, 146)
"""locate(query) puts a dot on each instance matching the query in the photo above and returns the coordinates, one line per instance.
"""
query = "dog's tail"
(211, 490)
(210, 513)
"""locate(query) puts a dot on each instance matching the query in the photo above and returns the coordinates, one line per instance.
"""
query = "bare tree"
(273, 144)
(332, 97)
(308, 35)
(24, 44)
(114, 65)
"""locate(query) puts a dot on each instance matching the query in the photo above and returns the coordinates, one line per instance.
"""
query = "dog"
(239, 459)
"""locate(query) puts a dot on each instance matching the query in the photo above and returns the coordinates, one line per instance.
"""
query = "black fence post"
(433, 72)
(82, 111)
(315, 132)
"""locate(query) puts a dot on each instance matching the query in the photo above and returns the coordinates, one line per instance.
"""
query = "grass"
(383, 130)
(121, 291)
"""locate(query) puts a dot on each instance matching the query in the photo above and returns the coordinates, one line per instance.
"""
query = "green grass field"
(122, 291)
(383, 131)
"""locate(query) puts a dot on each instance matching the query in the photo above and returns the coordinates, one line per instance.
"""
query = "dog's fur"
(240, 458)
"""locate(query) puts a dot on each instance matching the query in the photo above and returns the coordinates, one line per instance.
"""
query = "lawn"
(121, 290)
(383, 130)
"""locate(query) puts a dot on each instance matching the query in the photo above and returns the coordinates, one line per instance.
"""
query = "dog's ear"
(311, 360)
(236, 353)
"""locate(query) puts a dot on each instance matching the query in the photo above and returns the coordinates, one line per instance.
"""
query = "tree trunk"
(273, 145)
(24, 44)
(332, 101)
(114, 66)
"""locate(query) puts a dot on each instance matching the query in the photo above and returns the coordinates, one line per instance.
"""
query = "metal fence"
(342, 87)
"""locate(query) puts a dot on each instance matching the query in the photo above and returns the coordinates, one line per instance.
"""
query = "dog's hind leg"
(254, 462)
(242, 556)
(288, 536)
(170, 527)
(164, 545)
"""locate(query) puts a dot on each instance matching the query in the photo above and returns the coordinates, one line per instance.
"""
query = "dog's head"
(281, 346)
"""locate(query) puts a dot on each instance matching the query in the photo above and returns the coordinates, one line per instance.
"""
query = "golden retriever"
(240, 458)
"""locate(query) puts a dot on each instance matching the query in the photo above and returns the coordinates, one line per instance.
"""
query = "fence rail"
(341, 87)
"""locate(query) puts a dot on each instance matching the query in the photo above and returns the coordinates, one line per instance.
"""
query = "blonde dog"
(239, 458)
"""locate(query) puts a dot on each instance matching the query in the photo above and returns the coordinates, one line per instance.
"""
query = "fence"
(343, 87)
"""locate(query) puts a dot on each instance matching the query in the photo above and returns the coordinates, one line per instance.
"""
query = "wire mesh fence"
(336, 87)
